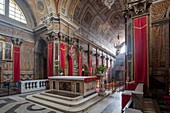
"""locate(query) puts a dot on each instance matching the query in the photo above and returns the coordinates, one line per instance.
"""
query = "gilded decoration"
(73, 7)
(158, 10)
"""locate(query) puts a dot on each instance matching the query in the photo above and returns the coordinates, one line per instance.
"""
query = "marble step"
(62, 97)
(65, 102)
(67, 109)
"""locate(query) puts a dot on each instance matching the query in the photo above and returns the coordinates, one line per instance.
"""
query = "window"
(2, 7)
(15, 12)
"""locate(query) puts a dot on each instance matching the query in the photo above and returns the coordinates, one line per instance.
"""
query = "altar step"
(65, 102)
(65, 105)
(62, 97)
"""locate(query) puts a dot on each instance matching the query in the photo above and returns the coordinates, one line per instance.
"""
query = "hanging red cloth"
(50, 58)
(71, 54)
(90, 65)
(80, 63)
(140, 49)
(62, 55)
(16, 63)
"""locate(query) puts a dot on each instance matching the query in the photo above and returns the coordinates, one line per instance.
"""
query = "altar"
(82, 85)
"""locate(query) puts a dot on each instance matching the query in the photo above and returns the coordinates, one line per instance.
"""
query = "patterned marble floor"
(18, 104)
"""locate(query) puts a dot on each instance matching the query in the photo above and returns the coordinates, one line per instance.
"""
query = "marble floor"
(18, 104)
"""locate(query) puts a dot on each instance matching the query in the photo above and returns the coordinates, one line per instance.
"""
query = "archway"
(41, 60)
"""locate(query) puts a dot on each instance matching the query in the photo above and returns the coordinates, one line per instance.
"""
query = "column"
(16, 58)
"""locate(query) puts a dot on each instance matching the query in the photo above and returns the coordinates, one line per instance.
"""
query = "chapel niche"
(41, 60)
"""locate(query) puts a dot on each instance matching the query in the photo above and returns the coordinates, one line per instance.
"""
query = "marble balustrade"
(33, 85)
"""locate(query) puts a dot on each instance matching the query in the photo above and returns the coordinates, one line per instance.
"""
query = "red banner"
(90, 65)
(16, 63)
(50, 58)
(62, 55)
(140, 49)
(71, 53)
(80, 63)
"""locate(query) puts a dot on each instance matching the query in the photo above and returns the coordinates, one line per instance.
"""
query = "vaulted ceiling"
(94, 19)
(97, 21)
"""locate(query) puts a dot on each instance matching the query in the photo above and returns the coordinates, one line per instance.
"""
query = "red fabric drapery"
(50, 58)
(125, 100)
(16, 63)
(80, 63)
(140, 49)
(90, 64)
(62, 55)
(71, 52)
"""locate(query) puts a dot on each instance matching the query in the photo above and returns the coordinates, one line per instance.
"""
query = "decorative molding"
(53, 36)
(80, 48)
(16, 41)
(138, 6)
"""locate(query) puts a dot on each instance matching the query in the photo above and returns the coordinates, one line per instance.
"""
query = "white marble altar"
(83, 85)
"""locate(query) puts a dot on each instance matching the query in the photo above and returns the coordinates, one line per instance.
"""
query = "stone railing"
(33, 85)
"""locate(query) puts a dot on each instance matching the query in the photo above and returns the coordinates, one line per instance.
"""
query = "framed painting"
(8, 51)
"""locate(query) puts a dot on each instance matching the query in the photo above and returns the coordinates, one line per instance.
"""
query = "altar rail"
(33, 85)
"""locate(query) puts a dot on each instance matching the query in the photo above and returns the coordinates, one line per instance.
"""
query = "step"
(62, 97)
(67, 109)
(65, 102)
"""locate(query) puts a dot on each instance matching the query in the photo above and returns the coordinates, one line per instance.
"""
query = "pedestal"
(102, 86)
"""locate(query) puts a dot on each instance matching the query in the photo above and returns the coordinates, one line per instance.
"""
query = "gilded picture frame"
(8, 51)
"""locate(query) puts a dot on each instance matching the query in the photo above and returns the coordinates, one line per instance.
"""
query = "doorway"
(41, 60)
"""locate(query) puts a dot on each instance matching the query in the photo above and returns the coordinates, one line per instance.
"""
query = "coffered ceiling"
(97, 21)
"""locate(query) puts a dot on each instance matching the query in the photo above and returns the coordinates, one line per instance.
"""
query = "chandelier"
(108, 3)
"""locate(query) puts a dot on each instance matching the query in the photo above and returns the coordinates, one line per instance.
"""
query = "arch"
(28, 13)
(41, 59)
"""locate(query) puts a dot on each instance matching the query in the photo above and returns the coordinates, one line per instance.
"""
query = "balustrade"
(33, 85)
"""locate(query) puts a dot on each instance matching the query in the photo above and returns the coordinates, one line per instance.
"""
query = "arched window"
(2, 7)
(13, 10)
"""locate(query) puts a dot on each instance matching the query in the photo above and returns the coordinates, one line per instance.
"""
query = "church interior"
(84, 56)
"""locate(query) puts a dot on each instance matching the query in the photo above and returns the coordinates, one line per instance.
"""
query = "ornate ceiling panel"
(104, 23)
